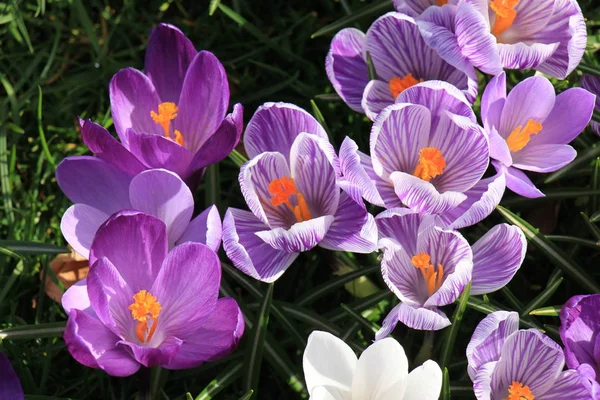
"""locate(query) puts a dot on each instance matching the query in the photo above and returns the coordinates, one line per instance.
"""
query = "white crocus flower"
(333, 372)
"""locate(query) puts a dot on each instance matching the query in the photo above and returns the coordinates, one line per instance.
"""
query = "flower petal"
(376, 97)
(79, 225)
(518, 182)
(544, 157)
(569, 385)
(206, 228)
(525, 56)
(492, 102)
(162, 355)
(389, 323)
(579, 324)
(499, 148)
(482, 382)
(330, 393)
(424, 382)
(425, 319)
(413, 7)
(76, 297)
(10, 388)
(302, 236)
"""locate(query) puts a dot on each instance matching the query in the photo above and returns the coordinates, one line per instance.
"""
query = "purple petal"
(302, 236)
(413, 7)
(525, 56)
(218, 336)
(168, 57)
(389, 323)
(482, 381)
(79, 225)
(544, 157)
(569, 385)
(132, 98)
(206, 228)
(155, 356)
(203, 101)
(425, 319)
(497, 257)
(76, 298)
(376, 97)
(274, 127)
(518, 182)
(91, 181)
(248, 252)
(95, 346)
(402, 225)
(10, 386)
(591, 83)
(163, 195)
(346, 66)
(499, 148)
(532, 17)
(492, 102)
(579, 325)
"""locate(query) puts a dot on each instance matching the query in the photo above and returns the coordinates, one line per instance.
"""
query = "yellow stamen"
(433, 278)
(166, 113)
(505, 15)
(145, 309)
(431, 163)
(442, 2)
(282, 189)
(398, 85)
(518, 391)
(520, 136)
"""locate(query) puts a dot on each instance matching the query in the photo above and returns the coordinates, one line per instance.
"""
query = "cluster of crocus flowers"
(507, 363)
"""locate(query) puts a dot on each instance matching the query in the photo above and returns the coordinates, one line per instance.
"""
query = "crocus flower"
(99, 189)
(416, 7)
(10, 386)
(529, 129)
(592, 84)
(145, 305)
(174, 116)
(428, 267)
(290, 185)
(548, 35)
(333, 372)
(580, 334)
(400, 57)
(506, 363)
(428, 154)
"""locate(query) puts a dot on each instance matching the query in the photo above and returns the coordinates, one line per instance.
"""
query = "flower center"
(145, 309)
(431, 163)
(505, 15)
(518, 391)
(282, 190)
(399, 85)
(520, 136)
(166, 113)
(442, 2)
(433, 278)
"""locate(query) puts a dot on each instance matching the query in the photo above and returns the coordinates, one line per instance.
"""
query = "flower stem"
(144, 384)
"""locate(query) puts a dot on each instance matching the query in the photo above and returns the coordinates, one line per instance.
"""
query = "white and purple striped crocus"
(428, 267)
(580, 334)
(290, 185)
(592, 84)
(506, 363)
(548, 35)
(401, 59)
(530, 127)
(10, 386)
(427, 153)
(148, 306)
(416, 7)
(174, 115)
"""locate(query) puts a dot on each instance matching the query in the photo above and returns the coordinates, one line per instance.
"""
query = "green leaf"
(583, 158)
(188, 396)
(574, 240)
(551, 251)
(360, 319)
(487, 308)
(588, 69)
(446, 385)
(308, 317)
(452, 330)
(376, 8)
(88, 27)
(542, 297)
(247, 395)
(551, 311)
(43, 141)
(371, 67)
(595, 184)
(237, 158)
(28, 248)
(222, 381)
(27, 332)
(591, 226)
(214, 4)
(17, 271)
(563, 193)
(319, 116)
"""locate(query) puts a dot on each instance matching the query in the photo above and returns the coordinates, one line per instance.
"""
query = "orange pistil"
(399, 85)
(518, 391)
(505, 15)
(145, 309)
(442, 2)
(431, 163)
(282, 189)
(520, 136)
(433, 278)
(166, 113)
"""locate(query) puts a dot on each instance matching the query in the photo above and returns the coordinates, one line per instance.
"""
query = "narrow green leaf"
(361, 304)
(27, 248)
(542, 297)
(551, 311)
(214, 4)
(582, 159)
(328, 97)
(360, 319)
(247, 395)
(371, 67)
(188, 396)
(222, 381)
(376, 8)
(319, 116)
(596, 116)
(26, 332)
(452, 330)
(237, 158)
(591, 227)
(17, 271)
(487, 308)
(5, 184)
(512, 299)
(446, 385)
(43, 141)
(21, 24)
(212, 188)
(551, 329)
(269, 90)
(88, 27)
(308, 317)
(256, 340)
(551, 251)
(595, 217)
(574, 240)
(595, 185)
(563, 193)
(588, 69)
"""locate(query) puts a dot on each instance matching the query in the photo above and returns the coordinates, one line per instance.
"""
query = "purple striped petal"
(301, 236)
(354, 166)
(525, 56)
(402, 225)
(497, 257)
(492, 102)
(482, 382)
(401, 276)
(206, 228)
(10, 386)
(569, 385)
(413, 7)
(518, 182)
(532, 16)
(424, 319)
(346, 66)
(376, 97)
(422, 196)
(248, 252)
(79, 225)
(544, 157)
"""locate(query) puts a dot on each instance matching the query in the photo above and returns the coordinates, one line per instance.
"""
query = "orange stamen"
(431, 163)
(518, 391)
(505, 15)
(282, 189)
(145, 308)
(166, 113)
(520, 136)
(433, 278)
(442, 2)
(179, 138)
(398, 85)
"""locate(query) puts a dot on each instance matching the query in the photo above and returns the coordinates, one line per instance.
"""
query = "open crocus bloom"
(99, 189)
(592, 84)
(415, 7)
(428, 154)
(174, 116)
(427, 267)
(290, 185)
(580, 334)
(548, 35)
(10, 386)
(506, 363)
(145, 305)
(529, 129)
(400, 57)
(333, 372)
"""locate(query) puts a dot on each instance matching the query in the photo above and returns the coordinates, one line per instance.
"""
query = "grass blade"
(377, 8)
(214, 4)
(452, 331)
(542, 297)
(487, 308)
(446, 385)
(583, 158)
(319, 116)
(237, 158)
(28, 248)
(247, 395)
(221, 382)
(47, 152)
(360, 319)
(28, 332)
(551, 311)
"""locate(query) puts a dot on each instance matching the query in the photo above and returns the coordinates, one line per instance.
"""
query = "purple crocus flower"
(592, 84)
(529, 129)
(548, 35)
(10, 386)
(506, 363)
(415, 8)
(145, 305)
(99, 189)
(174, 116)
(290, 185)
(428, 267)
(428, 154)
(580, 334)
(401, 59)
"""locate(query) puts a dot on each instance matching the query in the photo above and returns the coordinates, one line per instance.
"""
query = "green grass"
(56, 60)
